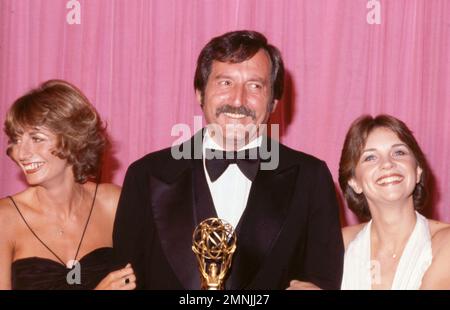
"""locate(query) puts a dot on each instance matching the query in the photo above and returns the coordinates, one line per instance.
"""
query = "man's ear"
(198, 94)
(274, 105)
(354, 185)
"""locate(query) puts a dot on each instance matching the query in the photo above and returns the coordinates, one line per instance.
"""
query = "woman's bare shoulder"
(107, 193)
(349, 232)
(110, 192)
(5, 206)
(437, 226)
(440, 235)
(8, 217)
(438, 274)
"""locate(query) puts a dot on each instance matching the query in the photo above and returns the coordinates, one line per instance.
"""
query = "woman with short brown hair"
(57, 233)
(383, 175)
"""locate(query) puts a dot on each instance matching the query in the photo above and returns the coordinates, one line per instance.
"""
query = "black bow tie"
(217, 162)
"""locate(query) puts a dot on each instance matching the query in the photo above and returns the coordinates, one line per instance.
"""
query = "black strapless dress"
(37, 273)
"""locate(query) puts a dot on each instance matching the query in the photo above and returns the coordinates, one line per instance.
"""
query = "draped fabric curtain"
(135, 61)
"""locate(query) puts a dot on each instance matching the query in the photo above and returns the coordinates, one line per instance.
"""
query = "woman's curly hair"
(63, 109)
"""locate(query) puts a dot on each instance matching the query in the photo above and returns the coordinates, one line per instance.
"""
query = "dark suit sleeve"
(324, 246)
(129, 229)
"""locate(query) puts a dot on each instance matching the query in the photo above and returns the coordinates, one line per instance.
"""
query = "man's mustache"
(236, 110)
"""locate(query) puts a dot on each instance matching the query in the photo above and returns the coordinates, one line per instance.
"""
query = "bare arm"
(122, 279)
(437, 276)
(129, 224)
(6, 245)
(300, 285)
(109, 195)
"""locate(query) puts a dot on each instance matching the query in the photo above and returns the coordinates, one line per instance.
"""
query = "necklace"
(61, 229)
(60, 232)
(45, 245)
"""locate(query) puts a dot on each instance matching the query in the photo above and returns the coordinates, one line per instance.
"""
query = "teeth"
(32, 166)
(234, 115)
(389, 180)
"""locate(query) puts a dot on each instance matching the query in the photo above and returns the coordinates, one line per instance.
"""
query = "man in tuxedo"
(282, 202)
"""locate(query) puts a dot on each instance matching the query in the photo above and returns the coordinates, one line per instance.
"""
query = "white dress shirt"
(230, 191)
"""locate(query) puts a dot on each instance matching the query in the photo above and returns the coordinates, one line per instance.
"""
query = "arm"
(299, 285)
(324, 252)
(437, 277)
(122, 279)
(348, 233)
(110, 194)
(129, 234)
(6, 245)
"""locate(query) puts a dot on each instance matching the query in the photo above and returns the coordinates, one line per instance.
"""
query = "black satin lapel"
(204, 205)
(174, 217)
(261, 223)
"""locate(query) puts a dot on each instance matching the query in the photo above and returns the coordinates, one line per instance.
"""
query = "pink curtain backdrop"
(135, 60)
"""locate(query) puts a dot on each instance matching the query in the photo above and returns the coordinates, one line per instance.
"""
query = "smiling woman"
(57, 234)
(58, 113)
(384, 176)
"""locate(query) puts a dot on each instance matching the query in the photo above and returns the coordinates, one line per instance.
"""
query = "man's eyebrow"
(222, 76)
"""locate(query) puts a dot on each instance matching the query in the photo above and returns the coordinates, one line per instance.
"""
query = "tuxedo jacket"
(289, 229)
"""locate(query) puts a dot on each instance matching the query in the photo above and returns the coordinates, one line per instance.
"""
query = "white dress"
(359, 270)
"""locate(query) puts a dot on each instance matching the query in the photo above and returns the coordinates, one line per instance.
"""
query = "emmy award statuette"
(213, 242)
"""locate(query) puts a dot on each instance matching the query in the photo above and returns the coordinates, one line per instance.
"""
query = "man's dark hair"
(236, 47)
